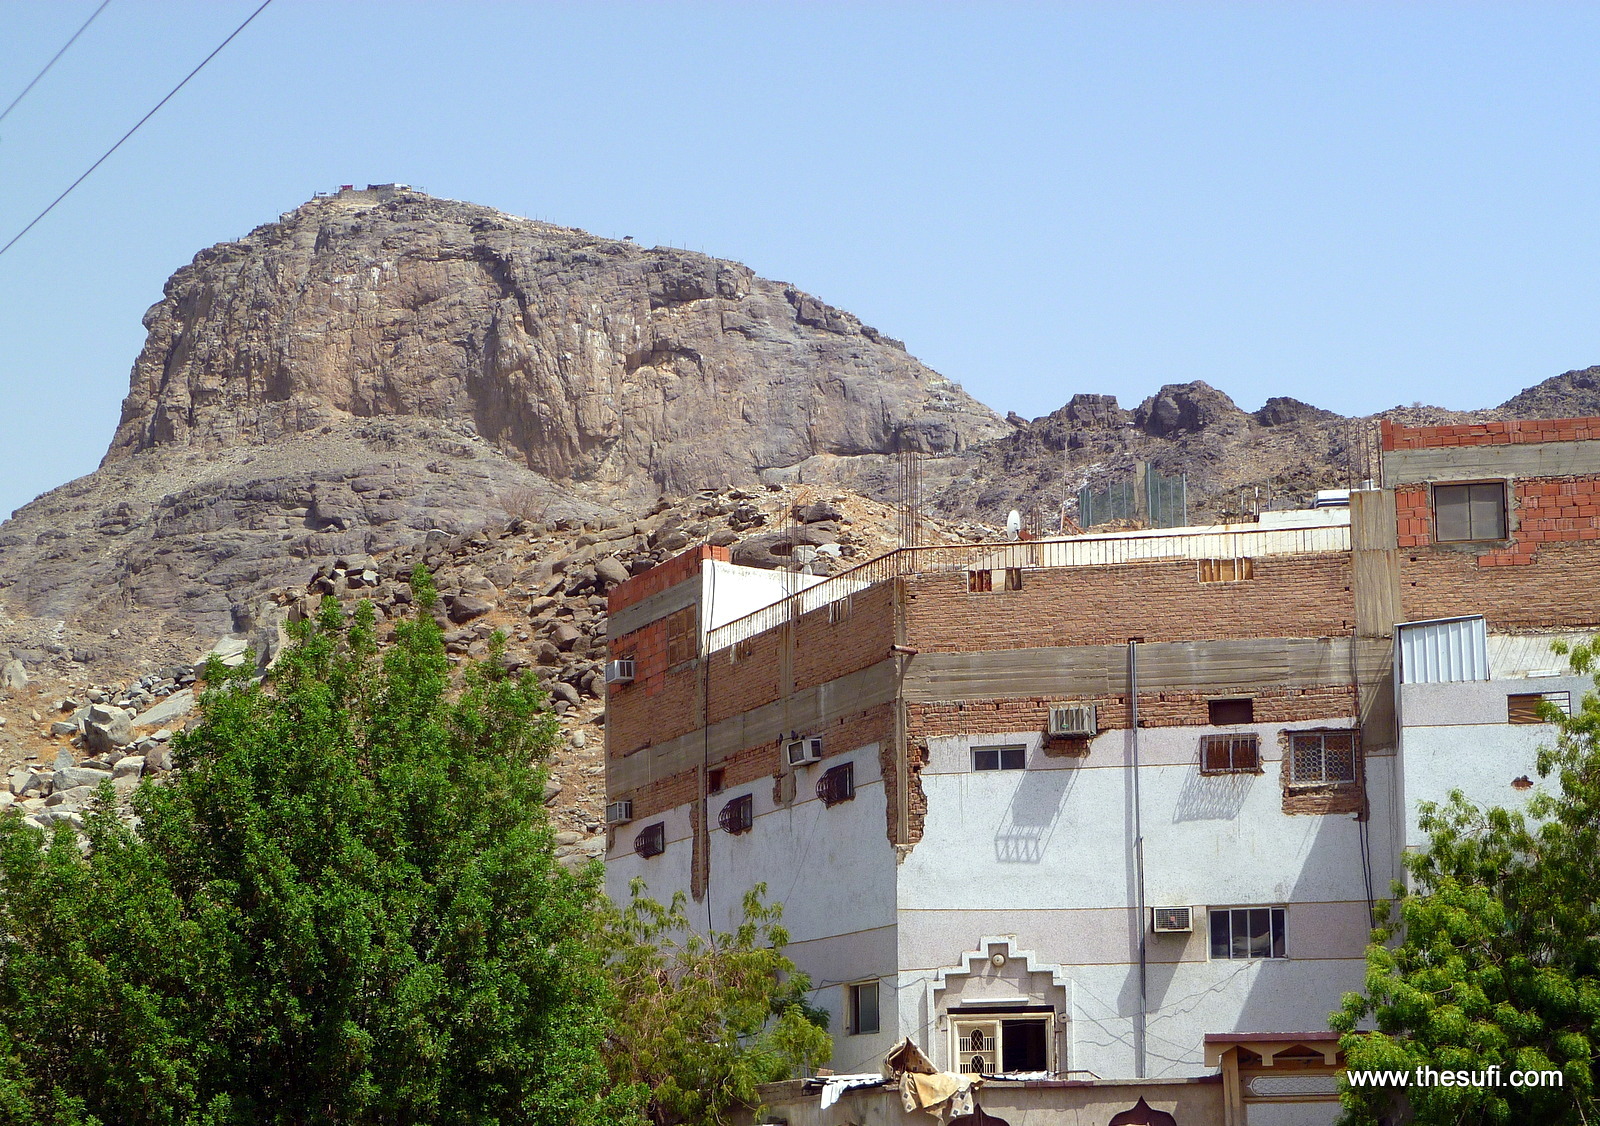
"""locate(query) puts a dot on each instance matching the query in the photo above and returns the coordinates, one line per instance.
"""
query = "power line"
(53, 59)
(17, 237)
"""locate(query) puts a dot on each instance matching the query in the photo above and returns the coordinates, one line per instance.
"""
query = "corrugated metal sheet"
(1444, 650)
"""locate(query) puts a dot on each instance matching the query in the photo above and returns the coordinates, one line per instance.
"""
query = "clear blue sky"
(1355, 204)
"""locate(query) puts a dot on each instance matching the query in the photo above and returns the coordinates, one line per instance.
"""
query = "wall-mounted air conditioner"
(619, 812)
(1172, 920)
(1073, 720)
(801, 751)
(619, 672)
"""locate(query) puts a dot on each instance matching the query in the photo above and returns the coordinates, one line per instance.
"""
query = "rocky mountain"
(377, 365)
(380, 367)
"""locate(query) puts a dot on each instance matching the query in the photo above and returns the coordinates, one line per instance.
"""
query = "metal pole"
(1138, 862)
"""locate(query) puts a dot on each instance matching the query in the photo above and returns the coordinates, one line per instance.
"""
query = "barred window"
(737, 816)
(1229, 754)
(1322, 757)
(1528, 707)
(652, 840)
(837, 784)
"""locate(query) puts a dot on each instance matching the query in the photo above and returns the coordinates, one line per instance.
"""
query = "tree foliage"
(701, 1022)
(1493, 957)
(343, 909)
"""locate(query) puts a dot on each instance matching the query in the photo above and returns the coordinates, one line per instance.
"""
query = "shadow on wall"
(1030, 820)
(1212, 797)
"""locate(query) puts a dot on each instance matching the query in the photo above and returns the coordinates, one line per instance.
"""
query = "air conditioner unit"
(1073, 719)
(801, 751)
(1172, 920)
(619, 813)
(619, 672)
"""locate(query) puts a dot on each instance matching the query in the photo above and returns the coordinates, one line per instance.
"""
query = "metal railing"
(1077, 551)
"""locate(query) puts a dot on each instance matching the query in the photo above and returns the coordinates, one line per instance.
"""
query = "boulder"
(465, 607)
(175, 706)
(13, 675)
(610, 571)
(107, 728)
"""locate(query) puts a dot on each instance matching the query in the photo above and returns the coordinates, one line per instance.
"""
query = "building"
(1111, 807)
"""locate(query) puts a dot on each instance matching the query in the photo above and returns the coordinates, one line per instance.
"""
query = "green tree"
(343, 908)
(701, 1022)
(1492, 959)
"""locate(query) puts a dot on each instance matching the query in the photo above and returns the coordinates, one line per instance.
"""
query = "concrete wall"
(1455, 737)
(831, 867)
(1045, 855)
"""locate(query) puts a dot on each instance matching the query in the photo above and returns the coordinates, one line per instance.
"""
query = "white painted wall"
(832, 868)
(729, 591)
(1455, 737)
(1045, 854)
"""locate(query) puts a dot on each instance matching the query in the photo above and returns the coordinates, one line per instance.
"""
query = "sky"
(1355, 204)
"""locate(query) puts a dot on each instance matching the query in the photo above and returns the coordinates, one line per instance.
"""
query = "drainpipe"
(1138, 863)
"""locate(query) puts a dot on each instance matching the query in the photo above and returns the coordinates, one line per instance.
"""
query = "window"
(861, 1016)
(1221, 713)
(837, 784)
(1000, 1044)
(651, 841)
(1525, 707)
(1248, 932)
(714, 778)
(683, 635)
(741, 651)
(1225, 570)
(999, 758)
(1469, 512)
(738, 815)
(1229, 754)
(984, 580)
(840, 609)
(1322, 757)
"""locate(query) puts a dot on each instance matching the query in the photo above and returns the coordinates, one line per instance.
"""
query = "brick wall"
(764, 760)
(1156, 709)
(662, 576)
(1289, 596)
(1503, 433)
(1555, 589)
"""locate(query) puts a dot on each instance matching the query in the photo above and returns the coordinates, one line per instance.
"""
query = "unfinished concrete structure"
(1109, 807)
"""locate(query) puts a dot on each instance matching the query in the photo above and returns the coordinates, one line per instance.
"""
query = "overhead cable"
(17, 237)
(53, 59)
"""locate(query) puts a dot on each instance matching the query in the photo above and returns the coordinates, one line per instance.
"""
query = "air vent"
(802, 751)
(1073, 720)
(619, 672)
(1172, 920)
(619, 813)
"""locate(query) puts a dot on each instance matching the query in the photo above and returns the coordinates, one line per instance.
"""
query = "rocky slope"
(378, 365)
(1234, 460)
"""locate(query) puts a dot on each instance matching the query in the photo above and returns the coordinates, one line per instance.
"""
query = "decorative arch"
(1142, 1113)
(1021, 977)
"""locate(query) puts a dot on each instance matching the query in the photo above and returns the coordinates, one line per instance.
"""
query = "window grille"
(1322, 757)
(737, 816)
(651, 841)
(1229, 754)
(837, 784)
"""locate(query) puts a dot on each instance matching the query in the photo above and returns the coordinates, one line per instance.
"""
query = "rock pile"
(125, 731)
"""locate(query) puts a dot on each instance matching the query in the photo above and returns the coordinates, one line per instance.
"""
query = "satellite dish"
(1013, 525)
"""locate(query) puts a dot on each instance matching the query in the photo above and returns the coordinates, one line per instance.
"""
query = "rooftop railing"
(1077, 551)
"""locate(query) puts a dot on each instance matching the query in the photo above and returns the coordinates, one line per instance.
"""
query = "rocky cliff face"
(376, 366)
(584, 359)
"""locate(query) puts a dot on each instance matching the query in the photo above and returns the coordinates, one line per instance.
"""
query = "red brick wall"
(1507, 432)
(763, 760)
(1558, 587)
(826, 650)
(658, 578)
(1156, 709)
(645, 713)
(1290, 596)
